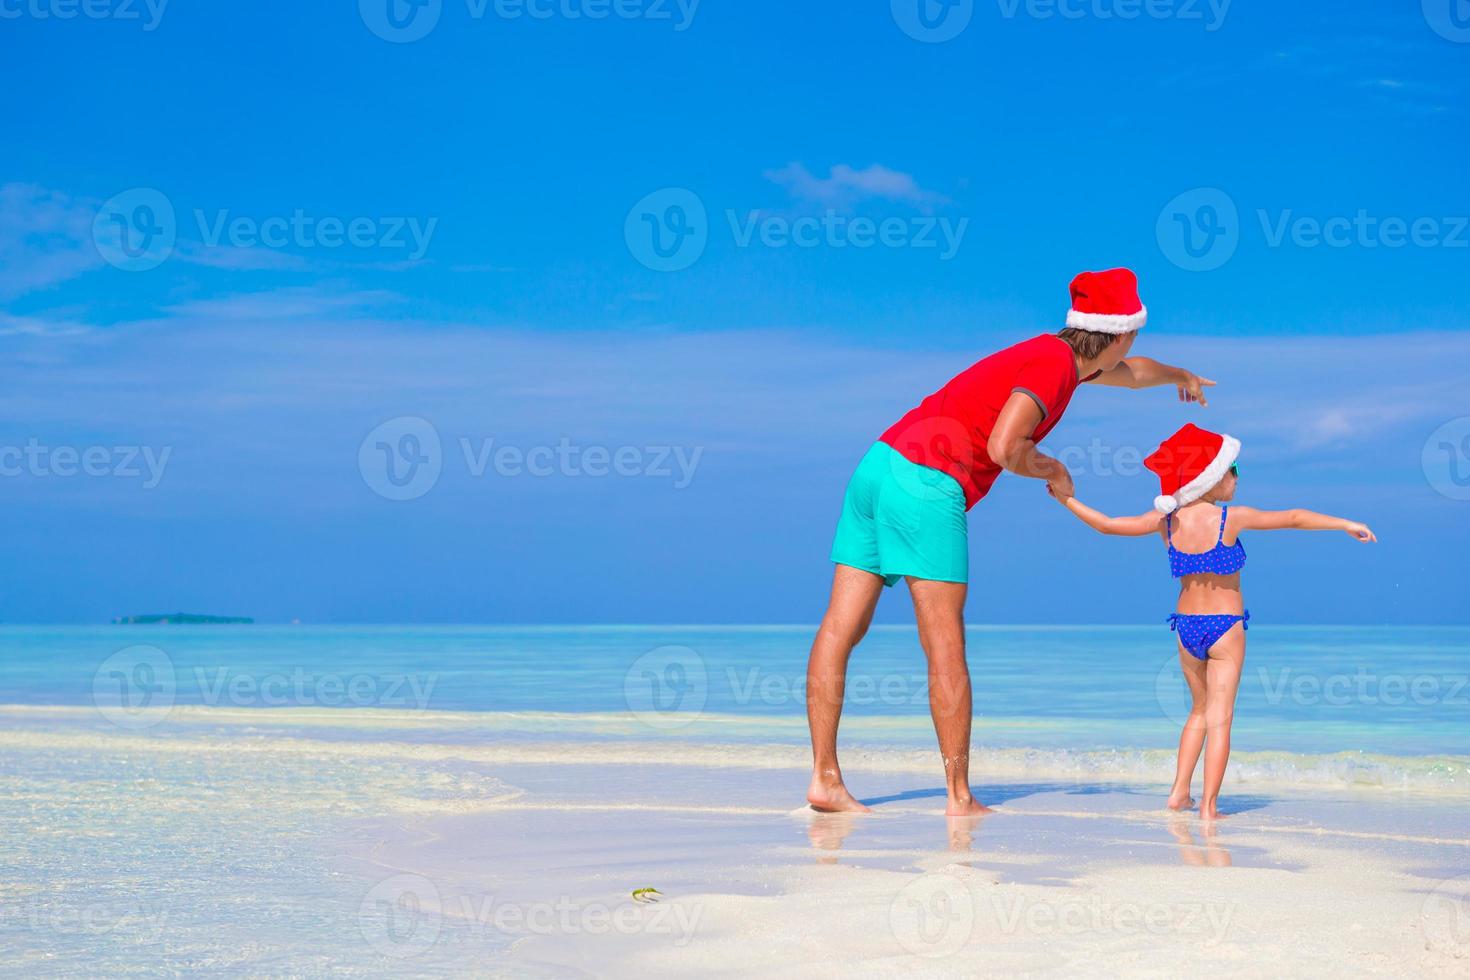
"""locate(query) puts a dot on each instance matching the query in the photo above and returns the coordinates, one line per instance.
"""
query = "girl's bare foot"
(828, 795)
(966, 806)
(1180, 802)
(1208, 811)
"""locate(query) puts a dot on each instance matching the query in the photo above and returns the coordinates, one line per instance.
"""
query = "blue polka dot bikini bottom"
(1199, 633)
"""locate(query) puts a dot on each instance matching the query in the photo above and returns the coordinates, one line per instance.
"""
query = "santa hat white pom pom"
(1165, 505)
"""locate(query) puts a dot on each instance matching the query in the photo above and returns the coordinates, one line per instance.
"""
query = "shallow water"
(217, 800)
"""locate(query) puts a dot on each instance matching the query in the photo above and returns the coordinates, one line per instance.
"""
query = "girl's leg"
(1192, 738)
(1222, 681)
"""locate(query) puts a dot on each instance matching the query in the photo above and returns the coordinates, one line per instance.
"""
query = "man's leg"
(854, 597)
(939, 608)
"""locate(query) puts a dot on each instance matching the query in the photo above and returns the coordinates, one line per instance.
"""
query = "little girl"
(1197, 471)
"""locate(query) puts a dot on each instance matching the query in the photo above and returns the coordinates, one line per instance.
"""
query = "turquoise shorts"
(902, 519)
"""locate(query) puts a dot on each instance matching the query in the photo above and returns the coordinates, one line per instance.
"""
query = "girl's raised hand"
(1361, 532)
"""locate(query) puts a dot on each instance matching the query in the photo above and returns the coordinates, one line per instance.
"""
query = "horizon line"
(677, 626)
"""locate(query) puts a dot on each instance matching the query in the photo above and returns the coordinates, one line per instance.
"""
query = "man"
(904, 515)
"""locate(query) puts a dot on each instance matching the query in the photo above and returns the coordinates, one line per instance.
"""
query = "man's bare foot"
(966, 806)
(827, 796)
(1178, 802)
(1209, 811)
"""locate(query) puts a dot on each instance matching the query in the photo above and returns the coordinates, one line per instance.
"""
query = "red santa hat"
(1189, 464)
(1107, 302)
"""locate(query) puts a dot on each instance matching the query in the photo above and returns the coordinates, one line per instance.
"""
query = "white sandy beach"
(435, 852)
(1085, 878)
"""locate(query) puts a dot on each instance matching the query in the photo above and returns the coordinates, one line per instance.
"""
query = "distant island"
(190, 619)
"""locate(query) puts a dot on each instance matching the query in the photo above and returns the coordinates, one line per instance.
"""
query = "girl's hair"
(1087, 344)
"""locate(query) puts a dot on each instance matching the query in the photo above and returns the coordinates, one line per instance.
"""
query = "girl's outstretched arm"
(1128, 527)
(1250, 519)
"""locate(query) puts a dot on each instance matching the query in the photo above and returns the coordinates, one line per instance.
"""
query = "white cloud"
(846, 186)
(279, 304)
(308, 365)
(237, 258)
(39, 326)
(45, 239)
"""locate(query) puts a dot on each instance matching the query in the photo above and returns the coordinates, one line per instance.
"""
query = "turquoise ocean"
(1399, 691)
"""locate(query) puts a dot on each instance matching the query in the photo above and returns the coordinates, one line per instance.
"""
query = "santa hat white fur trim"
(1118, 323)
(1205, 482)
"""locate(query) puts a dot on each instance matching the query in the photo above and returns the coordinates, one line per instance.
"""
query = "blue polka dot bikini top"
(1222, 559)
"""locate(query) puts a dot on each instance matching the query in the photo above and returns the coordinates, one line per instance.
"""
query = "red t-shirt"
(950, 430)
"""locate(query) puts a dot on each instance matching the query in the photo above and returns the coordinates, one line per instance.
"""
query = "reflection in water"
(827, 831)
(962, 832)
(1212, 854)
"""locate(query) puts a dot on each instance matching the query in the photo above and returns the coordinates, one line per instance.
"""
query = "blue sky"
(329, 232)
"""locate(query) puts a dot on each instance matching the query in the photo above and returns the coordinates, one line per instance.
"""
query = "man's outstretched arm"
(1145, 372)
